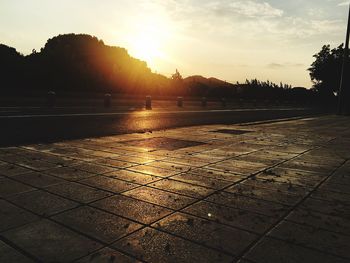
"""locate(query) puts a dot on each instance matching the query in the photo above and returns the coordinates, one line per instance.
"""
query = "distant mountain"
(83, 63)
(210, 82)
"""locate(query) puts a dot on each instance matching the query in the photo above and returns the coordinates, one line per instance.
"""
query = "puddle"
(162, 143)
(233, 132)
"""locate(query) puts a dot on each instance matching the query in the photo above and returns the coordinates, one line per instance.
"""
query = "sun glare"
(146, 47)
(148, 41)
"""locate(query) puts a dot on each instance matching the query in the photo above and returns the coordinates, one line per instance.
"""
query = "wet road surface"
(19, 129)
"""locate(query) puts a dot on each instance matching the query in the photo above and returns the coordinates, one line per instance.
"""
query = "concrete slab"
(279, 193)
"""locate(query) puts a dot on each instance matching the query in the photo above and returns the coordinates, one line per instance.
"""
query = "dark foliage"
(11, 66)
(325, 71)
(76, 63)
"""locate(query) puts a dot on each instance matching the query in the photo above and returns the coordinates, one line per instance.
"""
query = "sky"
(233, 40)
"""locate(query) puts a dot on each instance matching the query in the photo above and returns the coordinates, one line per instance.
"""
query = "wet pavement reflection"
(259, 192)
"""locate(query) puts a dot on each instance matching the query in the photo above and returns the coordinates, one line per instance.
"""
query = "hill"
(84, 63)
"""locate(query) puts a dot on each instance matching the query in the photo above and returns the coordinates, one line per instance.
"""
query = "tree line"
(83, 63)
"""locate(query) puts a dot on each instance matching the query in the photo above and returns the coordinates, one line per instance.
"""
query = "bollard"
(107, 100)
(204, 102)
(223, 102)
(148, 102)
(180, 101)
(51, 99)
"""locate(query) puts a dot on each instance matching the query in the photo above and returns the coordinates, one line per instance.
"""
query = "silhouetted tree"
(177, 83)
(83, 63)
(326, 69)
(11, 67)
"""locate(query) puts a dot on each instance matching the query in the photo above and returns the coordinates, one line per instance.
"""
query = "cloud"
(346, 3)
(251, 9)
(284, 65)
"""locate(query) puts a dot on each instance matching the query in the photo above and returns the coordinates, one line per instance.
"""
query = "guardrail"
(113, 101)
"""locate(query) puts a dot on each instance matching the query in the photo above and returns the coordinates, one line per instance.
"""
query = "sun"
(149, 39)
(147, 47)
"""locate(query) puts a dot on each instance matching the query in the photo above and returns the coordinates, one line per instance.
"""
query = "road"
(26, 128)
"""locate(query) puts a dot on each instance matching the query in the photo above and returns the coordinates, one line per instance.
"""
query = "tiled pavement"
(279, 192)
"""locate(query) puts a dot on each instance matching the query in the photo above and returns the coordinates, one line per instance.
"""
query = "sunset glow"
(148, 39)
(231, 40)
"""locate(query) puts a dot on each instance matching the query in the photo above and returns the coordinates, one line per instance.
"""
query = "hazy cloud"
(284, 65)
(196, 34)
(346, 3)
(248, 8)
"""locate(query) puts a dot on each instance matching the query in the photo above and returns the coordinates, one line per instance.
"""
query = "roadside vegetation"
(82, 63)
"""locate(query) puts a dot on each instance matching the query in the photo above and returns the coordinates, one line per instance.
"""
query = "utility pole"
(344, 92)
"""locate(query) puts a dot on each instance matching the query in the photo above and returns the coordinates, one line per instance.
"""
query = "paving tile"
(146, 156)
(235, 217)
(159, 197)
(272, 154)
(98, 224)
(12, 216)
(247, 203)
(270, 250)
(243, 203)
(169, 166)
(313, 237)
(109, 184)
(139, 159)
(10, 157)
(288, 188)
(133, 177)
(136, 210)
(69, 173)
(93, 168)
(78, 192)
(197, 179)
(264, 194)
(162, 143)
(42, 203)
(338, 197)
(35, 164)
(267, 160)
(304, 166)
(50, 242)
(154, 246)
(232, 241)
(302, 180)
(59, 160)
(291, 149)
(220, 175)
(37, 179)
(339, 178)
(185, 162)
(182, 188)
(229, 167)
(9, 254)
(118, 164)
(327, 207)
(103, 154)
(150, 170)
(245, 165)
(285, 172)
(9, 187)
(209, 157)
(319, 220)
(341, 188)
(332, 162)
(11, 169)
(107, 255)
